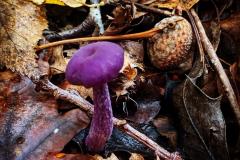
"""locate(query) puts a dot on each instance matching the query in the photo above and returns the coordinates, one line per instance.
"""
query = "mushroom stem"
(102, 123)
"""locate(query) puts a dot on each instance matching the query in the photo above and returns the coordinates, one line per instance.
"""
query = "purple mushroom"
(93, 66)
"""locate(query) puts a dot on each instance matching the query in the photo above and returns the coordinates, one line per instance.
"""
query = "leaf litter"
(174, 108)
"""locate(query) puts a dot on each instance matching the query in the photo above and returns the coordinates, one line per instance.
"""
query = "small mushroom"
(93, 66)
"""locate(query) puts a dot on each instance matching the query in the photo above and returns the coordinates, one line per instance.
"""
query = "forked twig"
(121, 124)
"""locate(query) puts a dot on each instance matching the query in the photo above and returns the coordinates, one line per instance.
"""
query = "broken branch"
(121, 124)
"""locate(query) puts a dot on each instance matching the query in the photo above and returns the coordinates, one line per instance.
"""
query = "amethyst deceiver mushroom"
(93, 66)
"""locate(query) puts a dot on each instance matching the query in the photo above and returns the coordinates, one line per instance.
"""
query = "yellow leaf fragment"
(70, 3)
(39, 2)
(57, 2)
(188, 4)
(172, 4)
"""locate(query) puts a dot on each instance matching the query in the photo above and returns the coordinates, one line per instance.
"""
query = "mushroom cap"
(95, 64)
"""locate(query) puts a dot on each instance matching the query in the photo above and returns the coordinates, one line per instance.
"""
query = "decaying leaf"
(145, 112)
(121, 20)
(83, 91)
(135, 156)
(203, 130)
(21, 24)
(133, 60)
(60, 62)
(166, 129)
(121, 142)
(30, 125)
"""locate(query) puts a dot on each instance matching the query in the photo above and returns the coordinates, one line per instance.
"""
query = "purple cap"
(95, 64)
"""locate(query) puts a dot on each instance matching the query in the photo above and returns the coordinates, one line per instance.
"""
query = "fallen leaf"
(83, 91)
(133, 60)
(135, 156)
(60, 63)
(30, 125)
(74, 3)
(121, 20)
(121, 142)
(22, 24)
(166, 129)
(203, 130)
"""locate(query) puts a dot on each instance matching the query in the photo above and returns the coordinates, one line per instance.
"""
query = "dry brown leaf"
(133, 60)
(121, 20)
(60, 62)
(166, 129)
(135, 156)
(21, 23)
(30, 125)
(83, 91)
(122, 90)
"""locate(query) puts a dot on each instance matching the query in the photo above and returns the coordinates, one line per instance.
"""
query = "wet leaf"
(145, 112)
(121, 142)
(203, 130)
(30, 125)
(166, 129)
(19, 37)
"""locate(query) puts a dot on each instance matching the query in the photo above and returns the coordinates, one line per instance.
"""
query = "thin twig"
(151, 9)
(145, 34)
(218, 67)
(121, 124)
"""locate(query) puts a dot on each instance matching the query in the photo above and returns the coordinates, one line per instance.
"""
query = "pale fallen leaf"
(60, 62)
(21, 24)
(135, 156)
(74, 3)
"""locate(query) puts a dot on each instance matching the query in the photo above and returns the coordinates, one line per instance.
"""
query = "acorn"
(170, 47)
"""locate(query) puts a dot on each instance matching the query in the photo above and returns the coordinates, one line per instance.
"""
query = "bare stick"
(145, 34)
(151, 9)
(121, 124)
(218, 66)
